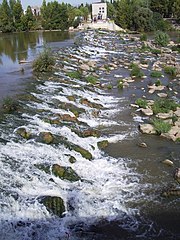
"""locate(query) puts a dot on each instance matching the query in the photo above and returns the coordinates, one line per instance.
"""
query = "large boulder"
(147, 128)
(147, 111)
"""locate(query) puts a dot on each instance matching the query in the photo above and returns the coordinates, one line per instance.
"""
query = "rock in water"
(47, 137)
(54, 205)
(65, 173)
(23, 133)
(168, 162)
(103, 144)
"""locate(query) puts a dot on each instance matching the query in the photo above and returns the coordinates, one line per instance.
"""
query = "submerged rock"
(65, 173)
(54, 205)
(143, 145)
(171, 192)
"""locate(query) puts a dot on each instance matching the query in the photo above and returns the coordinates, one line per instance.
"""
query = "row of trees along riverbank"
(138, 15)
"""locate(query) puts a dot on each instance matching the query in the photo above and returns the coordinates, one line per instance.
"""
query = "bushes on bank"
(161, 126)
(161, 39)
(44, 62)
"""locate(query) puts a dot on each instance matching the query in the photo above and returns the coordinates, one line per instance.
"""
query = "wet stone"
(66, 173)
(53, 204)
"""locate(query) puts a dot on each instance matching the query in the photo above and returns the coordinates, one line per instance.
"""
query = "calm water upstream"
(119, 194)
(24, 47)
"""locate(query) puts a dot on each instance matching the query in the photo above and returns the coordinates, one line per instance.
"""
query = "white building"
(99, 11)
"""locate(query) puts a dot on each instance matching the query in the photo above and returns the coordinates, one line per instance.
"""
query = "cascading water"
(108, 186)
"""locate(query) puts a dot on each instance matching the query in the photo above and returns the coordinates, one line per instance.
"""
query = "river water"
(119, 194)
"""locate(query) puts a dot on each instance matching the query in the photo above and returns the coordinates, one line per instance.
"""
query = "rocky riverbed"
(71, 165)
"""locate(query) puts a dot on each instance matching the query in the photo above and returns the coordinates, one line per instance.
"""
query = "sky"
(25, 3)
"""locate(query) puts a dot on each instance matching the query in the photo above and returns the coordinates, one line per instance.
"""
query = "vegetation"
(143, 37)
(164, 105)
(156, 74)
(161, 126)
(53, 15)
(170, 70)
(120, 84)
(136, 71)
(141, 103)
(9, 105)
(138, 15)
(44, 62)
(161, 39)
(158, 83)
(91, 79)
(75, 74)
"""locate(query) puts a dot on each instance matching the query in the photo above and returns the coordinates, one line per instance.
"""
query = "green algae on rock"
(54, 205)
(65, 173)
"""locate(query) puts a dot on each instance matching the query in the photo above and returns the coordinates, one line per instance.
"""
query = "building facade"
(99, 11)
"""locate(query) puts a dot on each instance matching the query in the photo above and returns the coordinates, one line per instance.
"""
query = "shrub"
(158, 83)
(44, 62)
(75, 74)
(9, 105)
(120, 84)
(161, 126)
(156, 51)
(143, 37)
(136, 71)
(176, 48)
(170, 70)
(164, 106)
(91, 79)
(156, 74)
(161, 39)
(141, 103)
(109, 86)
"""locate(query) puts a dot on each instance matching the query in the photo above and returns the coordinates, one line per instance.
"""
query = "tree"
(164, 7)
(176, 9)
(143, 19)
(6, 20)
(17, 14)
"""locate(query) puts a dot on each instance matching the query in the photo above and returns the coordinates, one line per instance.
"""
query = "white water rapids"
(108, 184)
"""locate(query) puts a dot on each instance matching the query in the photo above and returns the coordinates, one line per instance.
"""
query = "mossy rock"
(65, 173)
(46, 137)
(72, 159)
(84, 153)
(54, 205)
(23, 133)
(71, 98)
(103, 144)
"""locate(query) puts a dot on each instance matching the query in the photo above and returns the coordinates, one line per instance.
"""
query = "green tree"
(164, 7)
(17, 14)
(176, 9)
(6, 20)
(143, 19)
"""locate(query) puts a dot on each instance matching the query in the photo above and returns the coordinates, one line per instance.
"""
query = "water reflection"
(24, 46)
(20, 46)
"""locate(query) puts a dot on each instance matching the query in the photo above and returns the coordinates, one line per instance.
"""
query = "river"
(119, 194)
